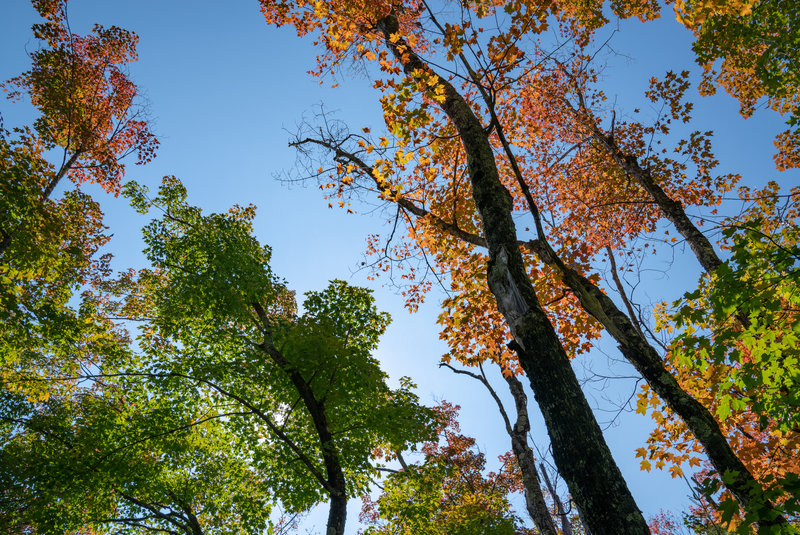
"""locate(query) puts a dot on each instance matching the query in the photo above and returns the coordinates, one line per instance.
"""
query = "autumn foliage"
(594, 184)
(448, 492)
(86, 100)
(512, 180)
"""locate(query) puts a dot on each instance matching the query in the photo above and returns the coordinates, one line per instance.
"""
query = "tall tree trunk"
(633, 344)
(579, 449)
(672, 209)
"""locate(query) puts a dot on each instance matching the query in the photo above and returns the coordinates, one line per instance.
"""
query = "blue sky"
(225, 91)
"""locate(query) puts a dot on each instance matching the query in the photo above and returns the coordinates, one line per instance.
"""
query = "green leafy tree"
(750, 49)
(229, 402)
(114, 459)
(317, 402)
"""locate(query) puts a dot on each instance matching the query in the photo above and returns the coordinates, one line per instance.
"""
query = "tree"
(736, 348)
(48, 247)
(86, 100)
(104, 435)
(582, 458)
(231, 402)
(448, 492)
(530, 481)
(113, 459)
(481, 132)
(312, 390)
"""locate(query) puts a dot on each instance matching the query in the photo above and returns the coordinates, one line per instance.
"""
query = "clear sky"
(225, 91)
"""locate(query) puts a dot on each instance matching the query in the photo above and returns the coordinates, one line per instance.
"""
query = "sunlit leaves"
(750, 49)
(737, 345)
(224, 325)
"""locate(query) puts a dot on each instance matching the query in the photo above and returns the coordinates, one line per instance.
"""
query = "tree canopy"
(194, 394)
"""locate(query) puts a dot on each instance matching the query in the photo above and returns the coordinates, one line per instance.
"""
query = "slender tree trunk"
(48, 190)
(534, 498)
(672, 209)
(566, 528)
(335, 483)
(579, 449)
(532, 486)
(702, 424)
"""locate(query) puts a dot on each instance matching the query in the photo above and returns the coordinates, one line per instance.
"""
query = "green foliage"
(766, 39)
(198, 426)
(228, 402)
(121, 462)
(209, 281)
(49, 252)
(745, 316)
(742, 326)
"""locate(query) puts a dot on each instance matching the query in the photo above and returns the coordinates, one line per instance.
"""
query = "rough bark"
(337, 514)
(579, 449)
(672, 209)
(627, 332)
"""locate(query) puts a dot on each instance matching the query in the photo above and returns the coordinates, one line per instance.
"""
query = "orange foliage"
(579, 188)
(86, 99)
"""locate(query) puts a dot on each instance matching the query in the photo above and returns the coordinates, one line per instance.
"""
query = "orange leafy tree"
(86, 100)
(487, 126)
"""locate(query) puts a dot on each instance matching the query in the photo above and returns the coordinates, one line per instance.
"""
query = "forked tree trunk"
(579, 449)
